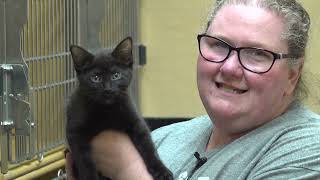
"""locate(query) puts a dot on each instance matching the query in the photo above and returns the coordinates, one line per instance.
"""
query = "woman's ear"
(294, 76)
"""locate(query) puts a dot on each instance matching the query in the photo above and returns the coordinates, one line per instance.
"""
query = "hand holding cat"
(115, 156)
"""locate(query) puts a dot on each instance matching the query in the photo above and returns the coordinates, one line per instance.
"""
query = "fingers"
(115, 156)
(111, 151)
(69, 164)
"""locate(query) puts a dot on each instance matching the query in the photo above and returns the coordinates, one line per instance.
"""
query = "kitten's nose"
(107, 86)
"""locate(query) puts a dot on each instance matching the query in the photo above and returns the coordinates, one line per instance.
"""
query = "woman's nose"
(231, 66)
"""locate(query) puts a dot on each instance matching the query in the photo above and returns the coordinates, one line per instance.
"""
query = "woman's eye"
(96, 79)
(116, 76)
(214, 43)
(217, 44)
(261, 55)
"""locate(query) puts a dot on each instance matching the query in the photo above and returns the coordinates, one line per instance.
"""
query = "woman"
(249, 80)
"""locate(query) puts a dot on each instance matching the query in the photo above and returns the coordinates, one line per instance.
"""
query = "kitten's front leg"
(141, 138)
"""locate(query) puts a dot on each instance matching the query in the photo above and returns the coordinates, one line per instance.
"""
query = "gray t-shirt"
(286, 148)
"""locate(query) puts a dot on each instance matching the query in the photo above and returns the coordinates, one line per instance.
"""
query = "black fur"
(101, 102)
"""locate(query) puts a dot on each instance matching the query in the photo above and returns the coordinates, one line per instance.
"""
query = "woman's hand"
(116, 157)
(69, 164)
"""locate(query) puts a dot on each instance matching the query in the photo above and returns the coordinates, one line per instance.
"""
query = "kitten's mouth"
(230, 89)
(108, 99)
(108, 96)
(108, 93)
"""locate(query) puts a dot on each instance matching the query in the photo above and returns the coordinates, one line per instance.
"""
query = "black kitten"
(101, 102)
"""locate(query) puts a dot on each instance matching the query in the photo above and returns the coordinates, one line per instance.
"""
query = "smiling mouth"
(229, 89)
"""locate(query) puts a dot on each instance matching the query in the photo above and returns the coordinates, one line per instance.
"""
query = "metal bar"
(127, 19)
(67, 58)
(50, 22)
(53, 85)
(54, 48)
(54, 71)
(120, 19)
(5, 122)
(22, 46)
(106, 20)
(62, 69)
(51, 90)
(69, 62)
(44, 170)
(73, 24)
(33, 165)
(41, 75)
(64, 43)
(51, 74)
(4, 134)
(112, 37)
(124, 25)
(57, 48)
(46, 105)
(46, 116)
(37, 82)
(47, 57)
(23, 147)
(33, 137)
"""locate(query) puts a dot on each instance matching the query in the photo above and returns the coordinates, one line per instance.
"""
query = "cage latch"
(14, 109)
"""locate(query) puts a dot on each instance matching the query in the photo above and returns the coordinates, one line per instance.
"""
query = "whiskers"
(104, 93)
(123, 92)
(90, 92)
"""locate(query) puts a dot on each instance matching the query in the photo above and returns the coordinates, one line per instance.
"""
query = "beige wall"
(168, 81)
(312, 67)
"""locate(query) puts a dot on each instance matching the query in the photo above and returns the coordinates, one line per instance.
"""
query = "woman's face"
(236, 99)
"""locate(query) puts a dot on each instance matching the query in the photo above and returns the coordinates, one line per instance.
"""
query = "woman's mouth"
(230, 89)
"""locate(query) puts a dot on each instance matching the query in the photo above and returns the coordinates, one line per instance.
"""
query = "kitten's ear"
(80, 57)
(123, 51)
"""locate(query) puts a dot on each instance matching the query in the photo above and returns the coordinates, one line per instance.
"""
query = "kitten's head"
(105, 76)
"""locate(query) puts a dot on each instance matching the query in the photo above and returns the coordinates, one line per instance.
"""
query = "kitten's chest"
(110, 117)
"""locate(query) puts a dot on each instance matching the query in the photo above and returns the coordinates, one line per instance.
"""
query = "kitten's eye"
(116, 76)
(96, 79)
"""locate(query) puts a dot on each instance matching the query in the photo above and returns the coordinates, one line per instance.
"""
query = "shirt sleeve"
(160, 134)
(295, 155)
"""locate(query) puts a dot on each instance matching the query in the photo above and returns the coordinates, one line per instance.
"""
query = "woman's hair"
(297, 24)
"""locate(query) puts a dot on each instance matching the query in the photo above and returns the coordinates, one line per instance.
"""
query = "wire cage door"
(36, 69)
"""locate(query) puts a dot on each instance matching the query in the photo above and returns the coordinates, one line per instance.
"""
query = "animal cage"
(37, 74)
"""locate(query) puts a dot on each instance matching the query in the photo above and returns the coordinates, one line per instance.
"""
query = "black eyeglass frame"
(238, 49)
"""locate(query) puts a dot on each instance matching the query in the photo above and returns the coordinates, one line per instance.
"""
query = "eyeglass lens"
(253, 59)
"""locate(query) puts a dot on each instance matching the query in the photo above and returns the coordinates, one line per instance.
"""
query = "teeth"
(230, 89)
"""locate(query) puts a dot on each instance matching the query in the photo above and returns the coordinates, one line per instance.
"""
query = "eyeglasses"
(256, 60)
